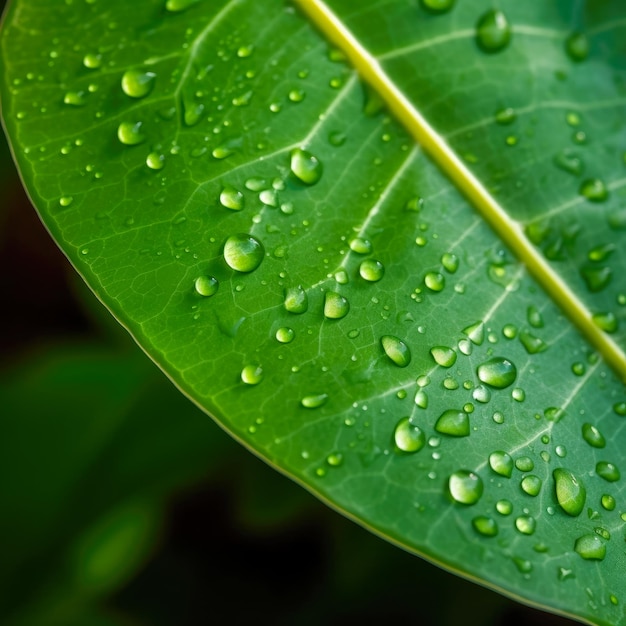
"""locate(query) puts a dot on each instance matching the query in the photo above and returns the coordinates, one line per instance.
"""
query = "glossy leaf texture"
(276, 241)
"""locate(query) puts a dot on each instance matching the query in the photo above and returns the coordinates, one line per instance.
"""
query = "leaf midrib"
(464, 180)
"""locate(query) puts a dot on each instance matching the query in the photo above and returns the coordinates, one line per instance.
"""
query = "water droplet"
(450, 262)
(243, 253)
(231, 198)
(596, 278)
(565, 573)
(285, 335)
(192, 112)
(437, 6)
(408, 438)
(252, 374)
(524, 464)
(569, 162)
(306, 167)
(509, 331)
(465, 487)
(129, 133)
(92, 61)
(531, 485)
(605, 321)
(435, 281)
(175, 6)
(475, 332)
(206, 286)
(65, 201)
(493, 32)
(590, 547)
(485, 526)
(335, 305)
(594, 190)
(454, 423)
(296, 95)
(360, 245)
(534, 317)
(593, 436)
(397, 351)
(314, 401)
(497, 372)
(155, 161)
(602, 252)
(296, 300)
(577, 47)
(75, 98)
(371, 270)
(608, 471)
(619, 408)
(524, 566)
(570, 492)
(506, 116)
(446, 357)
(501, 463)
(481, 394)
(525, 524)
(518, 394)
(138, 83)
(532, 344)
(504, 507)
(421, 399)
(608, 502)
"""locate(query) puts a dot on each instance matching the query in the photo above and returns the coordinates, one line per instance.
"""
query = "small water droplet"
(504, 507)
(314, 401)
(305, 166)
(525, 524)
(509, 331)
(75, 98)
(206, 286)
(570, 492)
(243, 253)
(296, 300)
(505, 116)
(285, 335)
(485, 526)
(596, 278)
(446, 357)
(421, 399)
(501, 463)
(593, 436)
(138, 83)
(438, 6)
(371, 270)
(252, 374)
(534, 317)
(129, 133)
(435, 281)
(608, 471)
(465, 487)
(450, 262)
(518, 394)
(407, 437)
(475, 332)
(577, 47)
(397, 351)
(531, 485)
(481, 394)
(335, 305)
(65, 201)
(608, 502)
(524, 464)
(454, 423)
(619, 408)
(92, 61)
(531, 343)
(155, 161)
(569, 162)
(590, 547)
(497, 372)
(493, 31)
(231, 198)
(605, 321)
(360, 245)
(175, 6)
(524, 566)
(296, 95)
(594, 190)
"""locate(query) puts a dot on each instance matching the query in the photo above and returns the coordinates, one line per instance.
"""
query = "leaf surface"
(303, 270)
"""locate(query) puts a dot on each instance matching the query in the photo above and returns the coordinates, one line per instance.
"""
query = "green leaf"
(422, 334)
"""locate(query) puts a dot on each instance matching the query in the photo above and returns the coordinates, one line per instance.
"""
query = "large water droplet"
(371, 270)
(501, 463)
(243, 253)
(493, 31)
(570, 492)
(594, 190)
(593, 436)
(396, 350)
(590, 547)
(454, 423)
(497, 372)
(465, 487)
(129, 133)
(335, 305)
(306, 167)
(138, 83)
(206, 286)
(408, 438)
(296, 300)
(608, 471)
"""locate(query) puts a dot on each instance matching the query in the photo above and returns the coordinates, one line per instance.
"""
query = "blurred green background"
(123, 504)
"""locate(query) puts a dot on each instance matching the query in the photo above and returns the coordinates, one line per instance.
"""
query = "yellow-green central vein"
(494, 214)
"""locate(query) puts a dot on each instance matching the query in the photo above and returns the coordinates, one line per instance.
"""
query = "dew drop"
(465, 487)
(590, 548)
(92, 61)
(497, 372)
(570, 492)
(438, 6)
(531, 485)
(450, 262)
(608, 471)
(435, 281)
(493, 31)
(485, 526)
(605, 321)
(360, 245)
(129, 133)
(421, 399)
(65, 201)
(525, 524)
(285, 335)
(296, 300)
(509, 331)
(155, 161)
(371, 270)
(475, 332)
(305, 167)
(446, 357)
(594, 190)
(596, 278)
(397, 351)
(569, 162)
(593, 436)
(231, 198)
(175, 6)
(505, 116)
(314, 401)
(335, 305)
(252, 374)
(531, 343)
(138, 83)
(619, 408)
(481, 394)
(501, 463)
(243, 253)
(535, 319)
(75, 98)
(453, 423)
(504, 507)
(608, 502)
(577, 47)
(407, 437)
(206, 286)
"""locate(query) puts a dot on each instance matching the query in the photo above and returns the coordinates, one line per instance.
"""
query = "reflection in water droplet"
(407, 437)
(243, 253)
(252, 374)
(498, 372)
(493, 31)
(335, 305)
(138, 83)
(570, 492)
(305, 167)
(454, 423)
(206, 286)
(465, 487)
(397, 351)
(590, 547)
